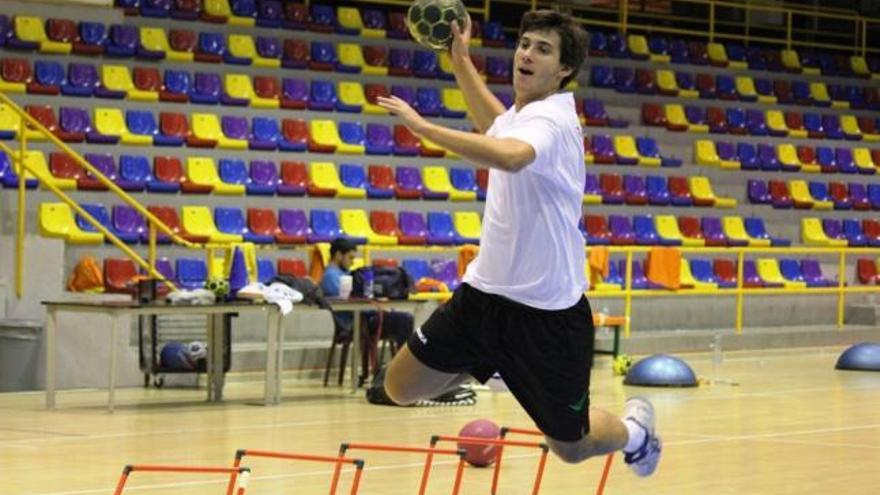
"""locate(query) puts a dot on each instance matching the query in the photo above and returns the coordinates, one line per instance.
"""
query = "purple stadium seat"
(409, 183)
(379, 140)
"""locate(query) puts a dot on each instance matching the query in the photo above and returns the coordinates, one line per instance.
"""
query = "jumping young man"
(521, 309)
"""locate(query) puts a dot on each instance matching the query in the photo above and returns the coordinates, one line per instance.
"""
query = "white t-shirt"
(531, 250)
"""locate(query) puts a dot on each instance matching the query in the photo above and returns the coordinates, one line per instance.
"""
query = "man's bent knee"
(574, 452)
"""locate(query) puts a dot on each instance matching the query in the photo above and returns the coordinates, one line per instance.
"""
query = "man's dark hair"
(572, 37)
(341, 245)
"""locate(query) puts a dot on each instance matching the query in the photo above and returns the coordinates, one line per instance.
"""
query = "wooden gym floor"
(793, 425)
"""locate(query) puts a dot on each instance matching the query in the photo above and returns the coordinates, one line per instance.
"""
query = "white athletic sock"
(637, 435)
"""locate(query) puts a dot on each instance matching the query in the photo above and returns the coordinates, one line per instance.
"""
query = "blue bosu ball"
(661, 370)
(860, 357)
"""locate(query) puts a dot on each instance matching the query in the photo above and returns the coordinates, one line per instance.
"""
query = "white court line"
(446, 412)
(778, 435)
(388, 467)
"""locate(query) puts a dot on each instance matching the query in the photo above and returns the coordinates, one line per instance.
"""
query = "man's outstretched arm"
(483, 106)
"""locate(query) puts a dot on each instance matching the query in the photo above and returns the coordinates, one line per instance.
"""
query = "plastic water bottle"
(717, 356)
(368, 283)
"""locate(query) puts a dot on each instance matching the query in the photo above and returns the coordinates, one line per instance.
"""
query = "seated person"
(395, 325)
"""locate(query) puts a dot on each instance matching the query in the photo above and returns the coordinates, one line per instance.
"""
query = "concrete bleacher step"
(862, 314)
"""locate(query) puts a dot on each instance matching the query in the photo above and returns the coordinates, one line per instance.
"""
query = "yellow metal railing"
(155, 225)
(627, 293)
(622, 14)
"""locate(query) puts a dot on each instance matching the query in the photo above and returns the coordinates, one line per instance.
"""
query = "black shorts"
(543, 356)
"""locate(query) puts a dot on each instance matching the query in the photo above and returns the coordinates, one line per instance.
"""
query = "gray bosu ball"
(860, 357)
(661, 370)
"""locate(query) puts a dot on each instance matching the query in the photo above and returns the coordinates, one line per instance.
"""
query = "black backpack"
(390, 283)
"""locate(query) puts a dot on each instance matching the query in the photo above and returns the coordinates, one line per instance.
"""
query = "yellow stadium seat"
(324, 176)
(859, 66)
(118, 78)
(850, 126)
(453, 100)
(800, 193)
(675, 117)
(467, 224)
(686, 278)
(819, 93)
(813, 234)
(445, 64)
(791, 61)
(202, 171)
(111, 122)
(242, 46)
(155, 39)
(220, 9)
(638, 45)
(768, 269)
(197, 220)
(706, 154)
(325, 133)
(9, 120)
(350, 54)
(57, 220)
(351, 93)
(436, 180)
(432, 149)
(592, 199)
(776, 121)
(625, 148)
(207, 126)
(863, 160)
(666, 82)
(735, 230)
(745, 86)
(667, 227)
(717, 54)
(31, 29)
(787, 156)
(354, 223)
(350, 18)
(39, 169)
(701, 189)
(240, 86)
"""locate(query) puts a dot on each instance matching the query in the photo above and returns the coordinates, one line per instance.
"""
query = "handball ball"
(219, 286)
(621, 365)
(430, 21)
(479, 455)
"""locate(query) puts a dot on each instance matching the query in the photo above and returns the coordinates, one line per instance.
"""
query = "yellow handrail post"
(151, 253)
(367, 254)
(740, 261)
(841, 294)
(624, 14)
(534, 5)
(486, 10)
(627, 300)
(22, 190)
(864, 44)
(788, 15)
(711, 22)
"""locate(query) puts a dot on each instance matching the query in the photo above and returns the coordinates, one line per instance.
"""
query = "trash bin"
(20, 348)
